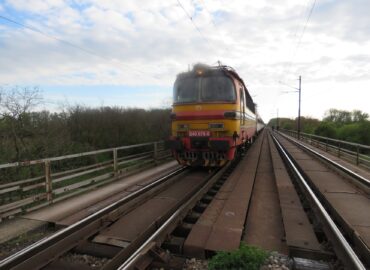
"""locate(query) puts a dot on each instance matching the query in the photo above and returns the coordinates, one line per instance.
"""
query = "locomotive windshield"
(204, 89)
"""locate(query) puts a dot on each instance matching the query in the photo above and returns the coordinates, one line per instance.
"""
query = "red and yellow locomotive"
(213, 116)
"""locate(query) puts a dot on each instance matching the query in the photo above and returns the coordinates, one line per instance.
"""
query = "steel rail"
(354, 259)
(356, 176)
(46, 242)
(132, 260)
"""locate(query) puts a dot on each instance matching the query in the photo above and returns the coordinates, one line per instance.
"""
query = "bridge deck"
(71, 210)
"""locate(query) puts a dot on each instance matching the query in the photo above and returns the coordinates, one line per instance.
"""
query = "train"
(213, 116)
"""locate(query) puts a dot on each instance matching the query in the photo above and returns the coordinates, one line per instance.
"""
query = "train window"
(186, 90)
(217, 88)
(204, 89)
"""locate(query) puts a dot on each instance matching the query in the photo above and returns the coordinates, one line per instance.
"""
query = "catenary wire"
(206, 9)
(192, 21)
(294, 34)
(300, 37)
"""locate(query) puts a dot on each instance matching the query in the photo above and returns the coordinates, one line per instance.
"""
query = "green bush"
(246, 258)
(326, 129)
(355, 132)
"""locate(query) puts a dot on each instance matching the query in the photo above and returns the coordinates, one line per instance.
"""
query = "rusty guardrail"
(352, 152)
(87, 170)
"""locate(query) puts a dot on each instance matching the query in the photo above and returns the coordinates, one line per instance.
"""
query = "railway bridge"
(306, 200)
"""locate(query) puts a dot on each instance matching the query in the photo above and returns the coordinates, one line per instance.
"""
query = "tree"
(326, 129)
(339, 117)
(359, 116)
(309, 124)
(356, 132)
(15, 104)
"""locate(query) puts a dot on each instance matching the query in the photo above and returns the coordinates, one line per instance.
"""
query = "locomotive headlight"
(183, 126)
(216, 125)
(199, 72)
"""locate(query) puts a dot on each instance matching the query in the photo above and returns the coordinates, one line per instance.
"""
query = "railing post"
(357, 155)
(115, 161)
(48, 182)
(338, 149)
(155, 151)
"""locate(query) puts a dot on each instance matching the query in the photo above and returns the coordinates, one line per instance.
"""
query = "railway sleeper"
(183, 229)
(200, 207)
(192, 217)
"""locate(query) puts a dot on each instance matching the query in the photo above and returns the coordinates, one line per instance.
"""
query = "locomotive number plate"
(199, 133)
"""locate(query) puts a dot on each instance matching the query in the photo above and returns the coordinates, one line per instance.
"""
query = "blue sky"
(127, 53)
(107, 95)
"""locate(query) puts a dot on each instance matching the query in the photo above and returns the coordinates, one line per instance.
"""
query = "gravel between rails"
(275, 261)
(16, 244)
(93, 262)
(193, 263)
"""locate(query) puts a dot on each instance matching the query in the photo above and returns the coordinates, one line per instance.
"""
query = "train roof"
(203, 69)
(206, 70)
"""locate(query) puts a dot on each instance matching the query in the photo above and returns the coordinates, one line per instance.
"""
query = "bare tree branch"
(16, 101)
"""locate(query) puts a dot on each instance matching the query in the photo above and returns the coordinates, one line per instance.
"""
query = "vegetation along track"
(338, 197)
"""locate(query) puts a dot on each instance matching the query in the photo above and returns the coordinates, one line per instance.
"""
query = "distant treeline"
(337, 124)
(26, 134)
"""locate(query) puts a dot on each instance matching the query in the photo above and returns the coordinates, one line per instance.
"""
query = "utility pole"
(277, 119)
(299, 104)
(299, 108)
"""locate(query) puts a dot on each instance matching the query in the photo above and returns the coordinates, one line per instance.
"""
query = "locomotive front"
(209, 116)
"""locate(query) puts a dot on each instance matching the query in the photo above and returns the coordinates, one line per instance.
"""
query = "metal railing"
(28, 185)
(355, 153)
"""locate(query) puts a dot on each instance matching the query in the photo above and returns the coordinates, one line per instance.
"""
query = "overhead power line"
(90, 52)
(48, 35)
(305, 9)
(210, 14)
(305, 26)
(192, 21)
(301, 36)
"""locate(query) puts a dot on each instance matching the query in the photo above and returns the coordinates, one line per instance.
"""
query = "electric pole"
(299, 108)
(299, 105)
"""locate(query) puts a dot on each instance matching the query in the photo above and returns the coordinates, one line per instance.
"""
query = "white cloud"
(149, 42)
(36, 6)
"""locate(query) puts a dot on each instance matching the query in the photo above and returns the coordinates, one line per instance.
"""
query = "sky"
(128, 52)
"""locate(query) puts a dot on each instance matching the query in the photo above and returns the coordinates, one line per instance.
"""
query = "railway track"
(338, 196)
(269, 198)
(274, 212)
(49, 249)
(144, 214)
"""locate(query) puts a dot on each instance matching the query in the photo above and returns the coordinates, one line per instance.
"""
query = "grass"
(246, 258)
